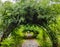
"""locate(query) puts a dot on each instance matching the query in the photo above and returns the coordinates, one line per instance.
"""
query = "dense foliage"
(33, 15)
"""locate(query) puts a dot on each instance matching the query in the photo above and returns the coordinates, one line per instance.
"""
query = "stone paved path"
(30, 43)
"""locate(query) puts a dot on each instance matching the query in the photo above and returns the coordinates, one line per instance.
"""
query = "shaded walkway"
(30, 43)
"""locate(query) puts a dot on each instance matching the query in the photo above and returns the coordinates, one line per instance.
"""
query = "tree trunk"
(52, 36)
(10, 28)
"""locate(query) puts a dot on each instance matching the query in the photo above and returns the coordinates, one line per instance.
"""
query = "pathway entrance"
(30, 42)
